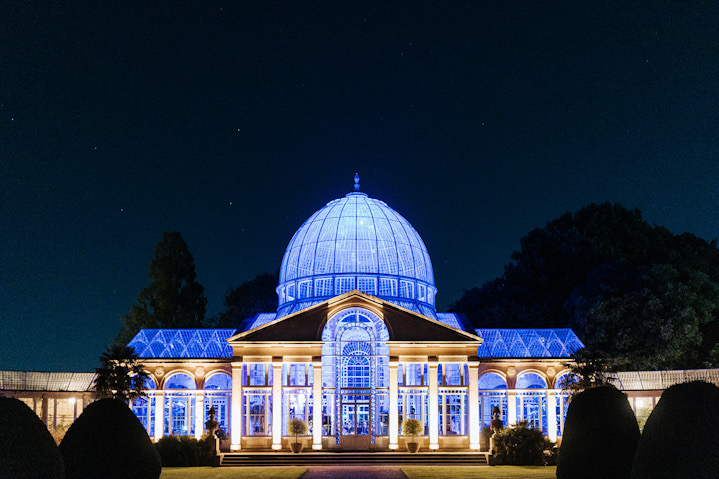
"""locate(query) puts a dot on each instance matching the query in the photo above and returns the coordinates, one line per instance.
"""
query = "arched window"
(218, 393)
(530, 381)
(492, 381)
(492, 394)
(180, 381)
(219, 381)
(531, 405)
(179, 405)
(355, 361)
(144, 408)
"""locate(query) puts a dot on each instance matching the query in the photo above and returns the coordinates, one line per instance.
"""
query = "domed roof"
(356, 242)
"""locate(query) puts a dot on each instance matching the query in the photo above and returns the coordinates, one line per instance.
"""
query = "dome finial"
(356, 181)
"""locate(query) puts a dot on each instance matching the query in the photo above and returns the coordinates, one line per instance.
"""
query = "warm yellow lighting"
(394, 446)
(277, 447)
(317, 447)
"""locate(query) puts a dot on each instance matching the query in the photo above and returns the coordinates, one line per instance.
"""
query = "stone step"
(353, 458)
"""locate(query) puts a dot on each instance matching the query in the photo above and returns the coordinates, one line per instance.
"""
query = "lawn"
(233, 472)
(470, 472)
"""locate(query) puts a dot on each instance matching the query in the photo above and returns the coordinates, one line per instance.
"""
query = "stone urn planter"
(296, 427)
(412, 428)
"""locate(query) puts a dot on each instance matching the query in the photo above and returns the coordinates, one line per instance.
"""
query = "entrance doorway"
(356, 420)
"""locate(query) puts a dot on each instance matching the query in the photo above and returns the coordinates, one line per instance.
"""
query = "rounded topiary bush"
(108, 441)
(27, 450)
(600, 436)
(681, 436)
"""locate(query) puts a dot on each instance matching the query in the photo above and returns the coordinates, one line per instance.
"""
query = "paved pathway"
(353, 472)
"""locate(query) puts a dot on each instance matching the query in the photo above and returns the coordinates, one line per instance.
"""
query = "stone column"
(511, 407)
(393, 406)
(433, 419)
(277, 405)
(159, 414)
(473, 385)
(236, 409)
(317, 406)
(552, 415)
(199, 414)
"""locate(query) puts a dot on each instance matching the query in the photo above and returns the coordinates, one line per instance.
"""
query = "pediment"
(307, 325)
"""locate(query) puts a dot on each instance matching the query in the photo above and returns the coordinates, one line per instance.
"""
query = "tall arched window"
(144, 408)
(532, 405)
(218, 391)
(179, 405)
(355, 375)
(492, 393)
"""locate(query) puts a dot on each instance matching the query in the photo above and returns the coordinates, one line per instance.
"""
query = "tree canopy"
(633, 292)
(174, 298)
(120, 375)
(249, 298)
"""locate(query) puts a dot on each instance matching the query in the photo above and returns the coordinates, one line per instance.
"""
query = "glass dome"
(356, 242)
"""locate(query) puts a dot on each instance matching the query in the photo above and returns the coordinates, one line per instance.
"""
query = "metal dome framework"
(356, 242)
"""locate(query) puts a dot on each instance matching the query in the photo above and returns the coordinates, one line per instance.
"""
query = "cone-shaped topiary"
(27, 450)
(600, 436)
(681, 436)
(108, 441)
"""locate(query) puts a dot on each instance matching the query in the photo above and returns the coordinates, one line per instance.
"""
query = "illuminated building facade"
(355, 347)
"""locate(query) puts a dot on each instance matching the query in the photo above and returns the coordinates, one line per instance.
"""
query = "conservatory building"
(355, 347)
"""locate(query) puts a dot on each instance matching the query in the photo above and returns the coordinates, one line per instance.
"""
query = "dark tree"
(249, 298)
(108, 441)
(681, 436)
(600, 436)
(635, 293)
(174, 299)
(27, 450)
(120, 375)
(587, 370)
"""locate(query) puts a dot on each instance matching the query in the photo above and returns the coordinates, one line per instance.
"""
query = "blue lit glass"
(180, 381)
(182, 343)
(530, 381)
(527, 343)
(356, 242)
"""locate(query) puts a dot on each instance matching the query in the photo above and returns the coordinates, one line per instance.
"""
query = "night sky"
(232, 122)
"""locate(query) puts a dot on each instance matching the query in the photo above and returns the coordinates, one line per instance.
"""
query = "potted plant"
(296, 427)
(412, 427)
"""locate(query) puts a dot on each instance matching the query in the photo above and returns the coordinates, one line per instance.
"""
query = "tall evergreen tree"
(174, 299)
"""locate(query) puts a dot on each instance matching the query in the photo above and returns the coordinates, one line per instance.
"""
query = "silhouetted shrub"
(108, 441)
(681, 436)
(27, 450)
(521, 445)
(183, 451)
(600, 436)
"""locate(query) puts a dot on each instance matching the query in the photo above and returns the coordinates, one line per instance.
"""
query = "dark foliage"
(120, 375)
(184, 451)
(108, 441)
(633, 292)
(600, 436)
(587, 370)
(681, 436)
(174, 299)
(249, 298)
(27, 450)
(521, 445)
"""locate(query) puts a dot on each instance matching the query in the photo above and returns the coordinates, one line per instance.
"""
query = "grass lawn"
(467, 472)
(233, 472)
